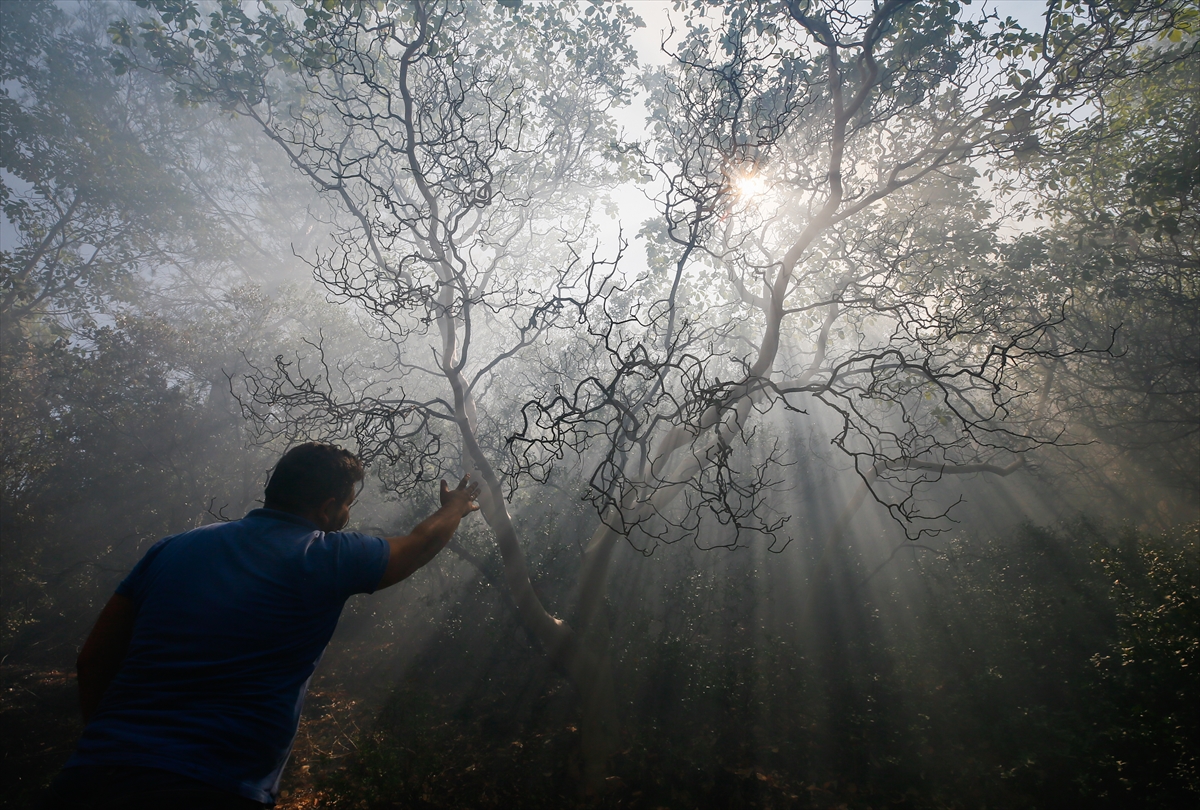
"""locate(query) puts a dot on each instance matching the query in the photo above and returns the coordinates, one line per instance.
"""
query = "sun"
(749, 186)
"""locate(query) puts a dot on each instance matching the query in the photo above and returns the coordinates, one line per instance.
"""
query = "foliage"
(1151, 669)
(1038, 624)
(91, 201)
(89, 185)
(110, 444)
(130, 228)
(1045, 667)
(116, 442)
(1121, 188)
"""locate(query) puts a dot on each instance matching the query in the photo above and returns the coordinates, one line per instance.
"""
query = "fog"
(831, 371)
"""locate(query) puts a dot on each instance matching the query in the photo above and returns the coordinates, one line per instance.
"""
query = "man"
(192, 681)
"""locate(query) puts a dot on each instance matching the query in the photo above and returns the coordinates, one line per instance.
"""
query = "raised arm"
(411, 551)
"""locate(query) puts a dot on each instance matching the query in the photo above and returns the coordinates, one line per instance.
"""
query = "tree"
(459, 141)
(118, 264)
(88, 189)
(1121, 193)
(817, 160)
(806, 149)
(85, 201)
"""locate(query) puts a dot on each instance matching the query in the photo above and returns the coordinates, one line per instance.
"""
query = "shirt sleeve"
(135, 583)
(361, 561)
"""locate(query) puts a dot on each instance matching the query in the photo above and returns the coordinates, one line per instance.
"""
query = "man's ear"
(329, 506)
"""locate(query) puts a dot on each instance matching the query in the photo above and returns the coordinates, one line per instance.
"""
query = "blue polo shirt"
(231, 621)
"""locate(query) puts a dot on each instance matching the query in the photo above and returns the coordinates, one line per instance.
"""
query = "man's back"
(231, 621)
(192, 679)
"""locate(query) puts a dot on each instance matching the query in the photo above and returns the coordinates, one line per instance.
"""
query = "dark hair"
(311, 473)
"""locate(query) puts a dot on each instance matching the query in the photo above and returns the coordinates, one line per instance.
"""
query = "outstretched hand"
(409, 552)
(461, 499)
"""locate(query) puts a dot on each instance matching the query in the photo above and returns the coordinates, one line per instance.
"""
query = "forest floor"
(481, 761)
(39, 725)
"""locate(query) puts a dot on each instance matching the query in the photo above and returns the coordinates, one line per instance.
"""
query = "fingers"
(473, 489)
(467, 488)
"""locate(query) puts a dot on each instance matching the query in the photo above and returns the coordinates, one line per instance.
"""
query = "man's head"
(316, 480)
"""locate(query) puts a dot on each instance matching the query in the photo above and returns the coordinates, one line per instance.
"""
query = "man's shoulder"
(256, 521)
(209, 529)
(277, 516)
(252, 524)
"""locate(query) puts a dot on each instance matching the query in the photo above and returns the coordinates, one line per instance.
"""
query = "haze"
(833, 378)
